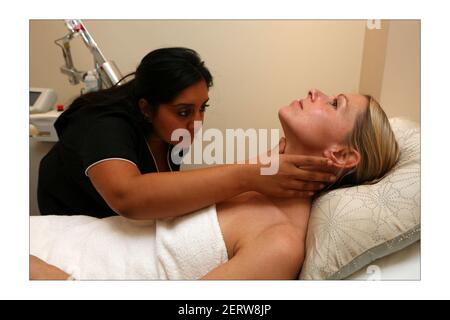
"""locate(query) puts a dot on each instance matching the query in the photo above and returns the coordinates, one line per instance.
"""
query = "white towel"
(116, 248)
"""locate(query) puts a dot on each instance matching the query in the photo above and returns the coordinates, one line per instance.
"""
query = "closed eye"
(203, 108)
(334, 103)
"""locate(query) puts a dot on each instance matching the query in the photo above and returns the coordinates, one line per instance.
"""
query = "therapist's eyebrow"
(188, 104)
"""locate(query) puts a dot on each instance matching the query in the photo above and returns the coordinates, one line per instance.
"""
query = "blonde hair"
(373, 138)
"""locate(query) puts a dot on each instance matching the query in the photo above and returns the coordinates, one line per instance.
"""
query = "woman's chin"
(283, 113)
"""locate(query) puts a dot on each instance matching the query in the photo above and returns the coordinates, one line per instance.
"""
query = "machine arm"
(106, 71)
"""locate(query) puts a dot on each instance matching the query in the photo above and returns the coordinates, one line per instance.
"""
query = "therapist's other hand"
(297, 176)
(279, 148)
(282, 145)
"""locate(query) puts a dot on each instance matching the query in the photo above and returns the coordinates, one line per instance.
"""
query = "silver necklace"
(154, 160)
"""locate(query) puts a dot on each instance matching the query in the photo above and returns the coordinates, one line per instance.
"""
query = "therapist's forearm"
(170, 194)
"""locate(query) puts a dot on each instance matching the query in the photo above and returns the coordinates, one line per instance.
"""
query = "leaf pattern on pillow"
(346, 225)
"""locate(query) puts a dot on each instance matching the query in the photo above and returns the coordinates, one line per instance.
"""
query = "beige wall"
(391, 67)
(400, 93)
(372, 68)
(257, 65)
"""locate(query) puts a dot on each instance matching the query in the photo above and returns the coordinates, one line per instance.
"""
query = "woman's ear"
(145, 108)
(343, 156)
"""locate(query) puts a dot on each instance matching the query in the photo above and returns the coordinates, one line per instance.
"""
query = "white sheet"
(117, 248)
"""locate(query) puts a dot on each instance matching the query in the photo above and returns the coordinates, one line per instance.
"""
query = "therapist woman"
(113, 153)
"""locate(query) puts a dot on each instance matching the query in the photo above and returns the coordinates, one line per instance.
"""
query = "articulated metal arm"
(107, 72)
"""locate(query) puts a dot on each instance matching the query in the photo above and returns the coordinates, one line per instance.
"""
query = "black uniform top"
(88, 136)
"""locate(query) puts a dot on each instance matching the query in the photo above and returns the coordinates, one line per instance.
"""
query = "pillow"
(349, 228)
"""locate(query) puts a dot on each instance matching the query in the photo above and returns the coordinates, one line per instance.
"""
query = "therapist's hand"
(282, 145)
(297, 176)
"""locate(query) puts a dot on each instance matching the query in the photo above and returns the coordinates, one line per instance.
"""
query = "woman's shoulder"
(89, 115)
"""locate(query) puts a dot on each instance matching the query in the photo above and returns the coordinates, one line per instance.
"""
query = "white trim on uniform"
(95, 163)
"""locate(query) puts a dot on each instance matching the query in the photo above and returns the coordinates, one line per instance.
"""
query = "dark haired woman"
(113, 153)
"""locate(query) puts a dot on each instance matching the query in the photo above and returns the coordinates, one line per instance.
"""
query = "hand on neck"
(291, 206)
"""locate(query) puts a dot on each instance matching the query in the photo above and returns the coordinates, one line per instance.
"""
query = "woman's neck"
(159, 149)
(157, 144)
(295, 208)
(294, 147)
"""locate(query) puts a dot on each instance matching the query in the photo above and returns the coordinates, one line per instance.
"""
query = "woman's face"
(187, 107)
(319, 121)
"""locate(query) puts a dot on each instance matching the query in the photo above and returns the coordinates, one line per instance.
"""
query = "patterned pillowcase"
(349, 228)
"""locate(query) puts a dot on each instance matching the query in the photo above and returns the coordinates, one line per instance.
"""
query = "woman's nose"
(195, 124)
(315, 93)
(198, 116)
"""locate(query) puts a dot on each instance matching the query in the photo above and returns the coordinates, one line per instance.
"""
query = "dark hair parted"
(164, 73)
(161, 75)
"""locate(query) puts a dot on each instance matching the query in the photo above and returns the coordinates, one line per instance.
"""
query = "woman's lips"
(297, 103)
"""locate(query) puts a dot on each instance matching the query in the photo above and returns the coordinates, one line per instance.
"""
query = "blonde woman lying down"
(251, 236)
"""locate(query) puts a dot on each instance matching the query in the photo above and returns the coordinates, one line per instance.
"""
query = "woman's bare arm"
(169, 194)
(276, 253)
(166, 194)
(40, 270)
